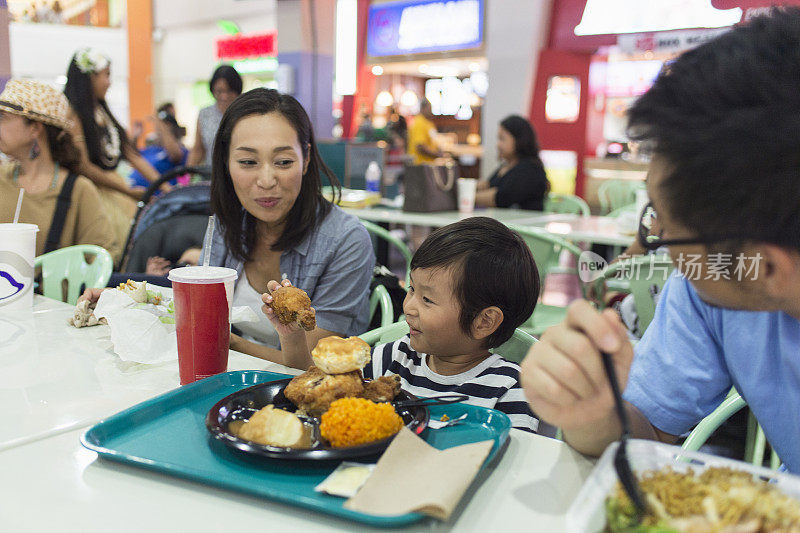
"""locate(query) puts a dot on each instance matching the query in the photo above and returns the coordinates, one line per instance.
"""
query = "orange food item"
(354, 421)
(293, 306)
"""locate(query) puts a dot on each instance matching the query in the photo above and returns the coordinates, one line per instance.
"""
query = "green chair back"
(756, 441)
(630, 208)
(386, 235)
(380, 299)
(546, 249)
(70, 264)
(637, 275)
(566, 203)
(614, 194)
(514, 349)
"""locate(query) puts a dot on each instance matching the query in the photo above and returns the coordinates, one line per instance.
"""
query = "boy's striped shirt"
(493, 383)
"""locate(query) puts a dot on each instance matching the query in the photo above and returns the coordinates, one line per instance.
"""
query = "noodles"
(715, 500)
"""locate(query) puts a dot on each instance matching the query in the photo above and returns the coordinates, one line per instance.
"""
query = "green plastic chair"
(380, 299)
(70, 264)
(630, 208)
(546, 249)
(385, 234)
(637, 275)
(515, 349)
(566, 203)
(614, 194)
(756, 440)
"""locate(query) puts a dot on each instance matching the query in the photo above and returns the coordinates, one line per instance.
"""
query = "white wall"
(184, 49)
(516, 30)
(43, 52)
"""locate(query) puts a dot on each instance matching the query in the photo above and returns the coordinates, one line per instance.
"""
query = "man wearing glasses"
(724, 121)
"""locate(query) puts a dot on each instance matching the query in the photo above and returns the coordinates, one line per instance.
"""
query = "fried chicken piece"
(383, 389)
(293, 306)
(314, 390)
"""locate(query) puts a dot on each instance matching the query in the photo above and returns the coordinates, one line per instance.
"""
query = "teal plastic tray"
(168, 434)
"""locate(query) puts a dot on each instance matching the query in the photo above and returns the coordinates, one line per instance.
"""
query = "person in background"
(727, 207)
(366, 131)
(166, 150)
(421, 144)
(34, 133)
(274, 223)
(101, 140)
(520, 181)
(226, 85)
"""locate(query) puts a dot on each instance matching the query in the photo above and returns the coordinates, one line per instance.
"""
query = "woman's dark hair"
(309, 208)
(80, 94)
(725, 120)
(62, 149)
(492, 266)
(525, 144)
(231, 77)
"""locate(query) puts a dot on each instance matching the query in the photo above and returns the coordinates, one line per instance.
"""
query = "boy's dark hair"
(309, 208)
(725, 117)
(492, 266)
(231, 77)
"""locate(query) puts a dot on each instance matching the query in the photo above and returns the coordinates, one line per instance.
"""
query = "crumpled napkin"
(412, 475)
(145, 333)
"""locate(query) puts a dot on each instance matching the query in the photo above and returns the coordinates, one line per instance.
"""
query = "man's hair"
(491, 266)
(725, 118)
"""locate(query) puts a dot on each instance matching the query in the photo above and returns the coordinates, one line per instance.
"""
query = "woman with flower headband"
(100, 138)
(34, 133)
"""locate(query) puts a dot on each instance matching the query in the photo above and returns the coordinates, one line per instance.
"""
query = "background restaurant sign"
(242, 46)
(413, 27)
(666, 41)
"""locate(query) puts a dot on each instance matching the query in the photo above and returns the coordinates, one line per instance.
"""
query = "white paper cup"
(466, 194)
(17, 250)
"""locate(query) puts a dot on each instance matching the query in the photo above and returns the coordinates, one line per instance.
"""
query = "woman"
(101, 140)
(34, 132)
(226, 85)
(266, 192)
(520, 181)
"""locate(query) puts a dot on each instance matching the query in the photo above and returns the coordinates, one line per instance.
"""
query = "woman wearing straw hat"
(101, 140)
(34, 133)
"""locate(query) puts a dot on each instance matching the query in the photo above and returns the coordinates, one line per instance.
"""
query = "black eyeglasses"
(652, 242)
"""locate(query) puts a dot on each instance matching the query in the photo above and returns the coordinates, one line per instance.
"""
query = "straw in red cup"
(202, 296)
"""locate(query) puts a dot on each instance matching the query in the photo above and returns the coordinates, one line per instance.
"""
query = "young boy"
(472, 284)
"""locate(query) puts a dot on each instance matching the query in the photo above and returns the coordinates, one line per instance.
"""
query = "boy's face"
(432, 311)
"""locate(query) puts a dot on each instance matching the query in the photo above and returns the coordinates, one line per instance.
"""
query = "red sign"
(247, 46)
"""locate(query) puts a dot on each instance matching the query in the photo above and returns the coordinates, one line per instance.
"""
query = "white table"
(55, 378)
(70, 378)
(438, 219)
(598, 230)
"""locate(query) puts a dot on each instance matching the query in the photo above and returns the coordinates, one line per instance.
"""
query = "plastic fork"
(622, 464)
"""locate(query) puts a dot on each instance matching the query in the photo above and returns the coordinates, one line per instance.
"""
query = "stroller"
(172, 223)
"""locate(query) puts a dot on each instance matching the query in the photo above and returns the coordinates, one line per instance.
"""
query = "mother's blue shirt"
(333, 264)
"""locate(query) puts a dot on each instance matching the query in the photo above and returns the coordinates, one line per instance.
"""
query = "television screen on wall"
(407, 28)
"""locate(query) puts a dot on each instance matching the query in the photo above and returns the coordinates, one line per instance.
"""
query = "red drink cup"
(202, 298)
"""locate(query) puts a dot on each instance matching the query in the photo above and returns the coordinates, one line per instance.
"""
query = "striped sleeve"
(514, 404)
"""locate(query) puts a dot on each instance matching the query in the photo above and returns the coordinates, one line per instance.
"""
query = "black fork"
(621, 463)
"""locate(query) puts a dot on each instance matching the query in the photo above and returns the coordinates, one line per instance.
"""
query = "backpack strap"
(60, 214)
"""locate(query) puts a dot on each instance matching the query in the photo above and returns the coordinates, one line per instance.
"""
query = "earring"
(35, 151)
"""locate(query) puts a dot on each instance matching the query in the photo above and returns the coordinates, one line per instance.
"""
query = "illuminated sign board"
(424, 26)
(246, 46)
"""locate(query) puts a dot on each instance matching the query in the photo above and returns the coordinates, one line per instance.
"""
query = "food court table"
(594, 229)
(72, 378)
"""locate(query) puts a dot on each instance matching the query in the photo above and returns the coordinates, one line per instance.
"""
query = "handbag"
(430, 188)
